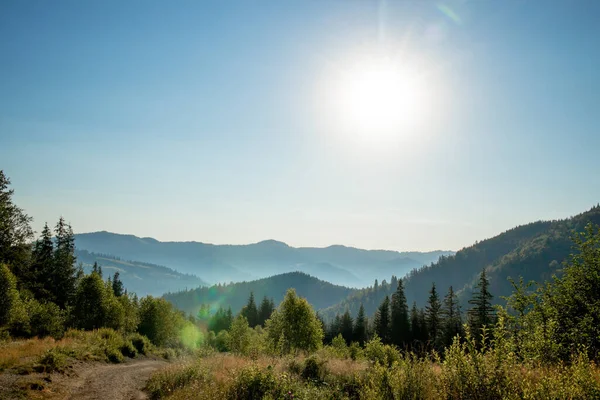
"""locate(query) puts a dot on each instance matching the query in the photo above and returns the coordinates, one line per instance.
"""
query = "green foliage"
(294, 325)
(250, 312)
(52, 361)
(399, 323)
(255, 383)
(433, 318)
(10, 301)
(159, 321)
(314, 370)
(239, 335)
(63, 277)
(15, 231)
(379, 353)
(360, 327)
(381, 321)
(46, 319)
(482, 313)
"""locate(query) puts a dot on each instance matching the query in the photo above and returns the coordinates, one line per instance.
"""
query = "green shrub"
(114, 355)
(140, 342)
(254, 383)
(128, 349)
(52, 361)
(314, 370)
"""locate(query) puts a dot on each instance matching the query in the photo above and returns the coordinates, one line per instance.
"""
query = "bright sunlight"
(380, 99)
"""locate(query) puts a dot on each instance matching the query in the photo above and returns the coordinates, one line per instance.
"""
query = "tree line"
(43, 292)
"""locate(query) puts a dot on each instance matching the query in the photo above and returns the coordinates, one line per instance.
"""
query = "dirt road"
(110, 381)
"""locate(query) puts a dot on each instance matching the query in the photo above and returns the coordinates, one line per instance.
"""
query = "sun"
(380, 99)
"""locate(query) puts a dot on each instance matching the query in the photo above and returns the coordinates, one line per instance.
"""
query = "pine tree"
(347, 327)
(42, 265)
(360, 327)
(433, 317)
(416, 328)
(482, 313)
(265, 310)
(400, 325)
(452, 324)
(382, 321)
(250, 311)
(15, 232)
(64, 276)
(117, 285)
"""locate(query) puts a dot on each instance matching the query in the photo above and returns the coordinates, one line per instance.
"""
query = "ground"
(89, 381)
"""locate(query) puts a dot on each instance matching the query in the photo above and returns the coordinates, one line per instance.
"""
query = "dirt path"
(115, 382)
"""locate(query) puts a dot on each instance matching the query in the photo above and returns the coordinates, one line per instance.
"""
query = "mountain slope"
(342, 265)
(235, 295)
(534, 251)
(139, 277)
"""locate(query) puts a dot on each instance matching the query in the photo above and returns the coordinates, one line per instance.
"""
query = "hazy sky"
(213, 121)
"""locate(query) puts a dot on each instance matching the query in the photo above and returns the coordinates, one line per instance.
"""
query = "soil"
(86, 381)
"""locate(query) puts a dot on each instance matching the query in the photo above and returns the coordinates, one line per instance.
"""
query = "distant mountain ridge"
(320, 294)
(534, 251)
(139, 277)
(338, 264)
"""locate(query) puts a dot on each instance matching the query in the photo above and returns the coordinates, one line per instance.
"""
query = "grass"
(48, 355)
(461, 375)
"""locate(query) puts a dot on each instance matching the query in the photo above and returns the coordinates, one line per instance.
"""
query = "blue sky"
(207, 121)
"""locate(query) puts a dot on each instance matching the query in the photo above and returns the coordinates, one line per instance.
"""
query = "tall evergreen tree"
(382, 320)
(64, 276)
(347, 327)
(452, 321)
(15, 232)
(417, 330)
(117, 285)
(360, 327)
(250, 311)
(433, 317)
(482, 312)
(266, 309)
(42, 265)
(399, 325)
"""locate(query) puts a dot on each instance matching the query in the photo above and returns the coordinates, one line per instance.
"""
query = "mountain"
(534, 251)
(227, 263)
(320, 294)
(139, 277)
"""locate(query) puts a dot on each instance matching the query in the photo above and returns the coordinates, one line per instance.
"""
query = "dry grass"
(23, 351)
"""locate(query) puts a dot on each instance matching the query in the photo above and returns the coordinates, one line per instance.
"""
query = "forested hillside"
(340, 265)
(140, 277)
(534, 251)
(319, 294)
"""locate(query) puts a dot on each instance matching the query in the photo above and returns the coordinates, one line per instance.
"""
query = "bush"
(53, 361)
(314, 370)
(140, 342)
(380, 353)
(128, 349)
(254, 383)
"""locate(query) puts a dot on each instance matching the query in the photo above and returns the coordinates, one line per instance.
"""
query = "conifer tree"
(400, 325)
(360, 327)
(433, 317)
(117, 285)
(42, 265)
(417, 333)
(382, 321)
(64, 274)
(347, 327)
(452, 321)
(482, 313)
(250, 311)
(15, 232)
(265, 310)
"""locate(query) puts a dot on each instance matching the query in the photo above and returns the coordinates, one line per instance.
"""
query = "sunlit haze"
(411, 125)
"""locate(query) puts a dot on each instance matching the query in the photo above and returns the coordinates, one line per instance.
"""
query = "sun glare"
(379, 99)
